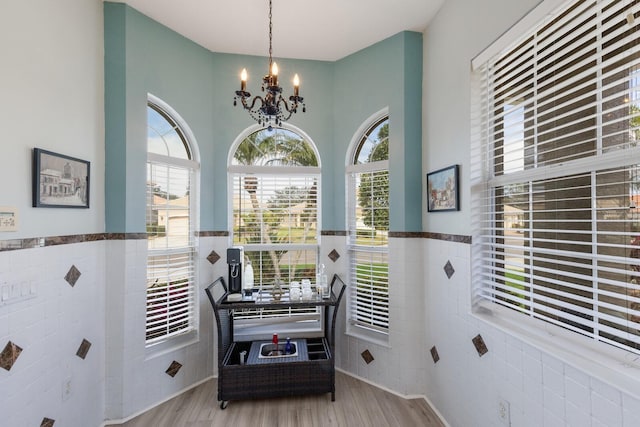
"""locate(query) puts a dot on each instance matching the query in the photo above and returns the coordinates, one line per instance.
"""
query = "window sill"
(368, 335)
(613, 366)
(172, 344)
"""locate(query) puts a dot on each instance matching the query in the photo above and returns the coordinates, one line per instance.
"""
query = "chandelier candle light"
(273, 108)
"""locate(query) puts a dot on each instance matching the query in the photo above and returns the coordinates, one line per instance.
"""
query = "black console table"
(282, 376)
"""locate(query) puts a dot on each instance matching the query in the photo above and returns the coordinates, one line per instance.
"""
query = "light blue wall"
(142, 56)
(387, 74)
(115, 117)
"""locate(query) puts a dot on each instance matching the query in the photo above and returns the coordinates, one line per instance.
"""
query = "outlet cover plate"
(504, 414)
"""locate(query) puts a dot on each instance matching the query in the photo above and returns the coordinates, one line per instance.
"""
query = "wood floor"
(357, 404)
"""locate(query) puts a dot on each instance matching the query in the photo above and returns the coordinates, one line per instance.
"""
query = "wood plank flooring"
(357, 404)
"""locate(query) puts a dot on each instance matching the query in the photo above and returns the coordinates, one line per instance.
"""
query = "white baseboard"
(417, 396)
(412, 396)
(142, 411)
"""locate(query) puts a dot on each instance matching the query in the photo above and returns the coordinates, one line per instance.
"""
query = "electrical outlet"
(503, 412)
(66, 388)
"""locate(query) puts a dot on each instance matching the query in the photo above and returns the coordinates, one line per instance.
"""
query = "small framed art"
(443, 192)
(59, 181)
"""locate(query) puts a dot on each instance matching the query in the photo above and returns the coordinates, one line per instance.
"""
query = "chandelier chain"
(270, 37)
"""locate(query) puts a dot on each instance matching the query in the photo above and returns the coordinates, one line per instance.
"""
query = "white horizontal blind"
(275, 209)
(170, 307)
(559, 221)
(368, 249)
(368, 222)
(171, 253)
(370, 268)
(275, 220)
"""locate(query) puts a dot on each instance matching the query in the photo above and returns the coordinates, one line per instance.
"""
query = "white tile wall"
(328, 243)
(50, 327)
(136, 378)
(541, 389)
(427, 309)
(606, 403)
(630, 411)
(576, 416)
(400, 366)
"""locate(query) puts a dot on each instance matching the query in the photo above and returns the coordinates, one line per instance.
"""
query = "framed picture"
(443, 193)
(59, 181)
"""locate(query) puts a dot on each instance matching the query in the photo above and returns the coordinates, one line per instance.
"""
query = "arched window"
(170, 219)
(368, 229)
(275, 182)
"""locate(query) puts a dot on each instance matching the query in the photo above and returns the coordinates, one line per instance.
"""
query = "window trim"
(359, 133)
(351, 328)
(173, 342)
(256, 127)
(184, 127)
(252, 329)
(541, 12)
(617, 367)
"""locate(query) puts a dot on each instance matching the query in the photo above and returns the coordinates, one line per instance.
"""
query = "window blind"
(368, 248)
(171, 253)
(275, 219)
(170, 307)
(557, 187)
(280, 209)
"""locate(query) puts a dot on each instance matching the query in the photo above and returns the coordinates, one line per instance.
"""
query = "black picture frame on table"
(443, 190)
(59, 181)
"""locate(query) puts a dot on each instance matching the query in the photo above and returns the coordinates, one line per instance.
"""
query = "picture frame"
(59, 181)
(443, 190)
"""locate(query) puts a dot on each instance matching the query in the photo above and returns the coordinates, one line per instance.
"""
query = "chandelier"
(273, 109)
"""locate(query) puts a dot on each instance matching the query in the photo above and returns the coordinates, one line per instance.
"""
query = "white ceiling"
(303, 29)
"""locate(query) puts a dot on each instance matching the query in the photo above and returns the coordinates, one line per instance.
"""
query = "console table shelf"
(313, 374)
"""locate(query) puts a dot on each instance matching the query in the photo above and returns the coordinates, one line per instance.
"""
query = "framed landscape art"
(443, 192)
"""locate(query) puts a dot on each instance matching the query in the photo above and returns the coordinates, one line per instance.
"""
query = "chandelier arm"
(246, 105)
(293, 108)
(290, 111)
